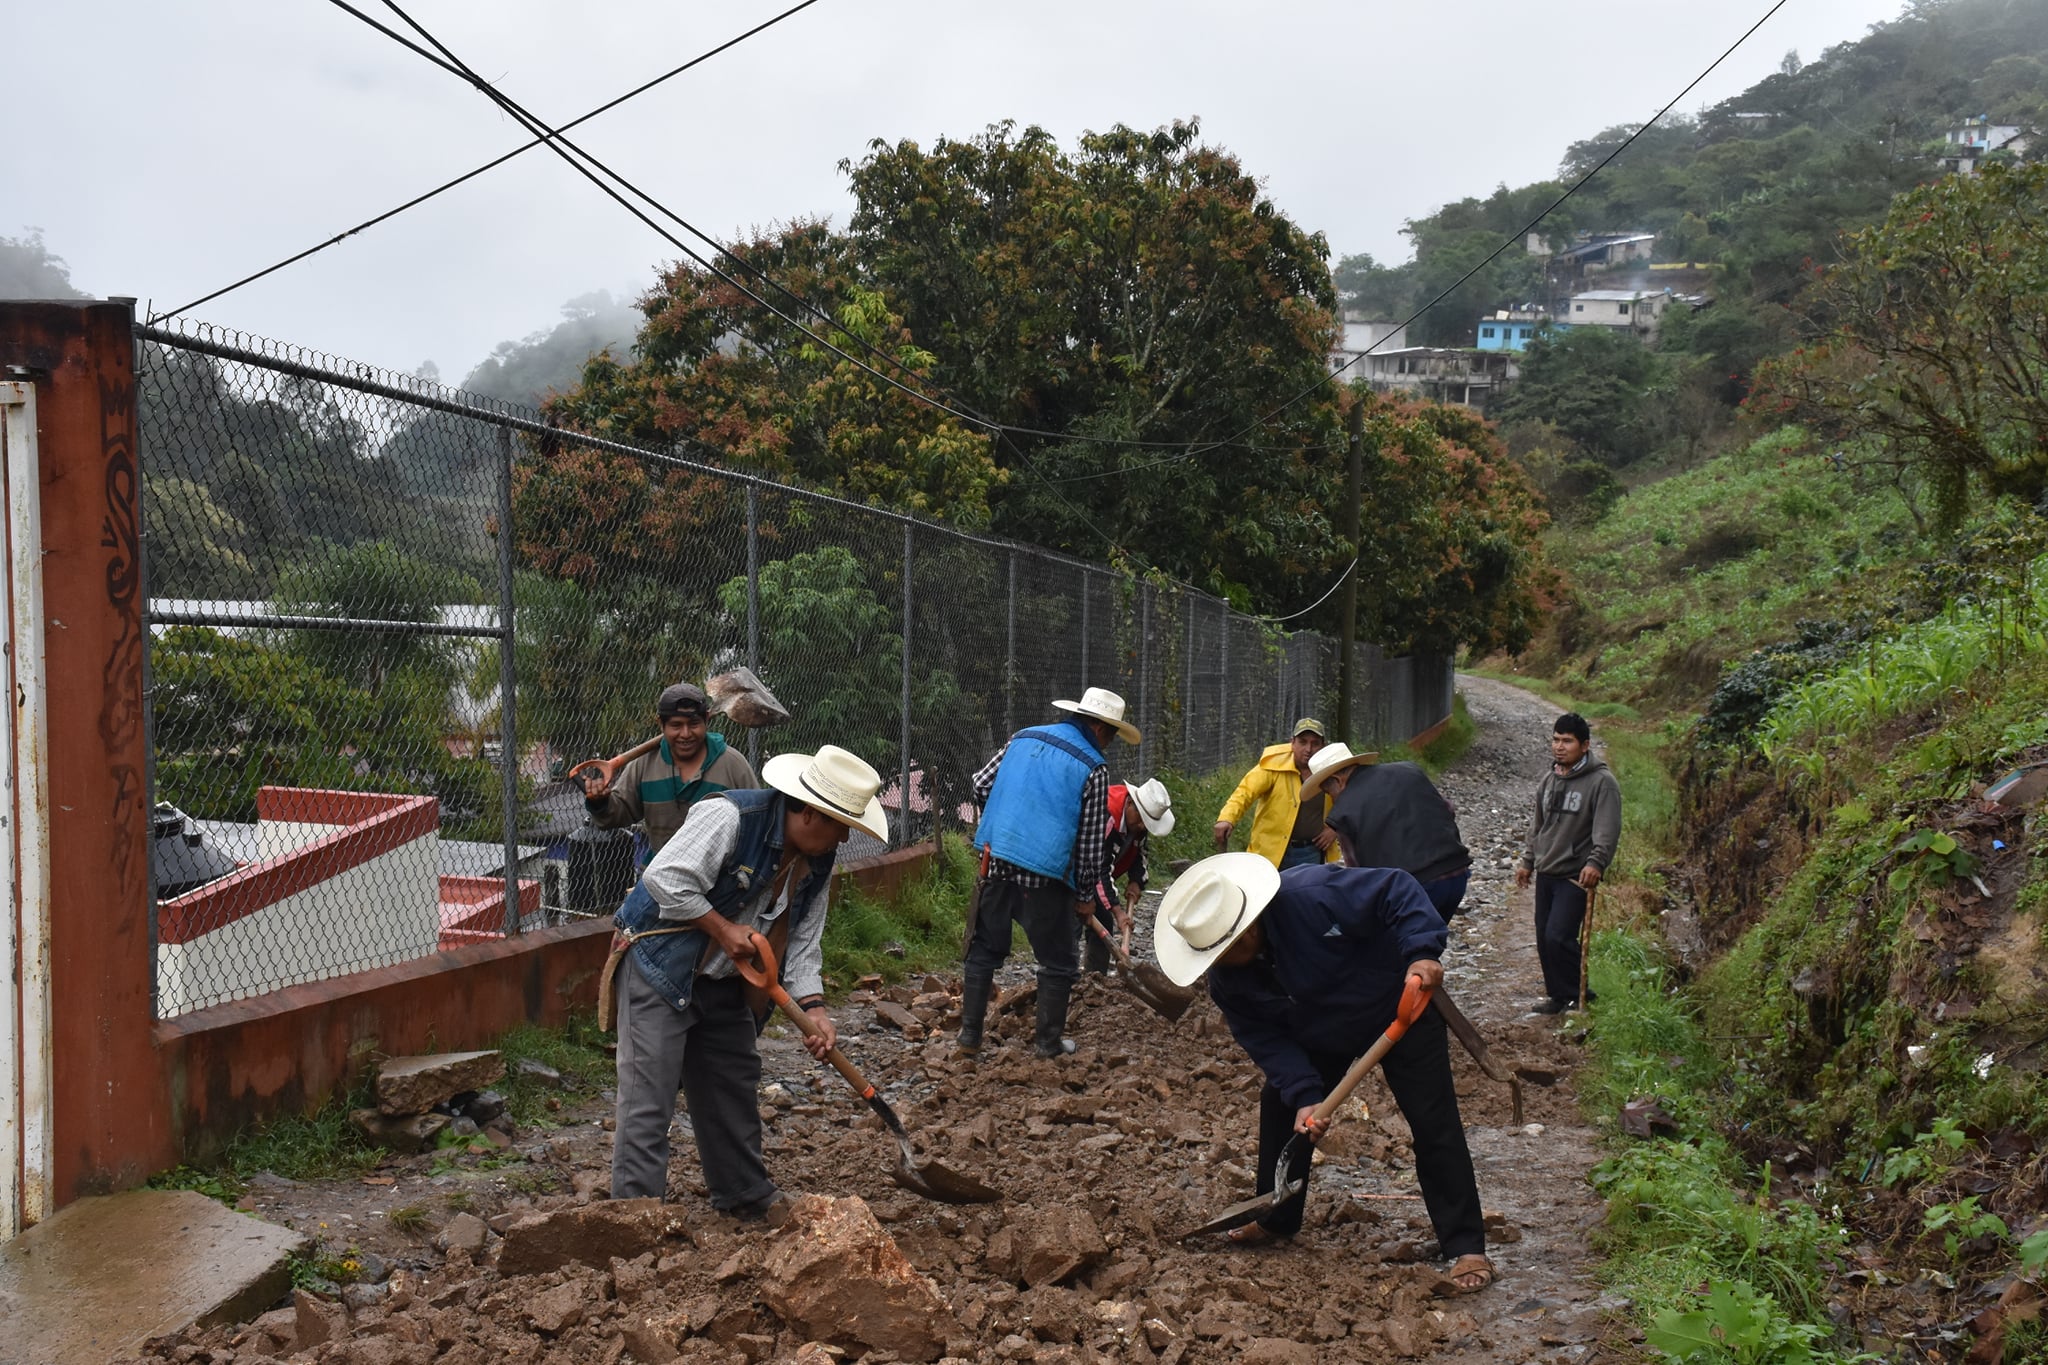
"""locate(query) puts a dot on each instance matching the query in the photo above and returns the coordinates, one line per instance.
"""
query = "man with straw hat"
(1308, 967)
(1392, 815)
(744, 862)
(1288, 828)
(1044, 803)
(1135, 813)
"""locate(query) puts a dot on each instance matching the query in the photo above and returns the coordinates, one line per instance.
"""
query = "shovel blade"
(1156, 989)
(1248, 1211)
(932, 1179)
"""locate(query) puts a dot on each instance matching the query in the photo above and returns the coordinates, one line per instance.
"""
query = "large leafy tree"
(1594, 386)
(1931, 340)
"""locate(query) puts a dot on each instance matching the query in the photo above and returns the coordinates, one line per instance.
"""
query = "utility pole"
(1347, 628)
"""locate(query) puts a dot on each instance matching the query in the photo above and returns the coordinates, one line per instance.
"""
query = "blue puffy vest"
(1035, 805)
(669, 961)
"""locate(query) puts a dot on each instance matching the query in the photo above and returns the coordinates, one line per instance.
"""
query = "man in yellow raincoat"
(1285, 831)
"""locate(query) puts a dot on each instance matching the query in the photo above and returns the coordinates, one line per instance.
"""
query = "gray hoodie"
(1578, 821)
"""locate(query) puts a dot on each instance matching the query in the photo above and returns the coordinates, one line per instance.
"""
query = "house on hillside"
(1360, 336)
(1971, 140)
(1446, 374)
(1510, 329)
(1635, 311)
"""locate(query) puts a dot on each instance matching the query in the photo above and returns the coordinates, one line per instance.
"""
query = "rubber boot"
(974, 994)
(1052, 1017)
(1094, 953)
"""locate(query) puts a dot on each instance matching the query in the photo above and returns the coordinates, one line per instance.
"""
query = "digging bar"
(1414, 1000)
(931, 1179)
(1154, 987)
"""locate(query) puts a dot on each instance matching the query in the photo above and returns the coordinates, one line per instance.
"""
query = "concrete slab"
(105, 1274)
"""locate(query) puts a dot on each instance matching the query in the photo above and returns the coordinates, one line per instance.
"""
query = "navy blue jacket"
(1328, 978)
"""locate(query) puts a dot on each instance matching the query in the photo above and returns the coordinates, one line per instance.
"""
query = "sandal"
(1250, 1235)
(1468, 1274)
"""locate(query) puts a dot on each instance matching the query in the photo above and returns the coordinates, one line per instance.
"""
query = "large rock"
(402, 1135)
(1046, 1246)
(413, 1085)
(834, 1275)
(589, 1233)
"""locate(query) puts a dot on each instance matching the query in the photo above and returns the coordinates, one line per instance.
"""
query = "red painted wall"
(110, 1112)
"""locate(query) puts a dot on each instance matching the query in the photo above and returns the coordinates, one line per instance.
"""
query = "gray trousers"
(708, 1052)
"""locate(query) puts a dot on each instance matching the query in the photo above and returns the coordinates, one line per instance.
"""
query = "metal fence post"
(1187, 693)
(1226, 750)
(1010, 657)
(508, 683)
(1144, 666)
(909, 549)
(754, 607)
(1084, 628)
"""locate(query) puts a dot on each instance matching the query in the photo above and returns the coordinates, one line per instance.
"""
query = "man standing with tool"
(744, 862)
(1578, 824)
(1044, 803)
(1134, 813)
(1287, 831)
(1308, 967)
(691, 762)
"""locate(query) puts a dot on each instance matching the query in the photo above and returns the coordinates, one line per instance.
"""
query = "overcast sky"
(166, 149)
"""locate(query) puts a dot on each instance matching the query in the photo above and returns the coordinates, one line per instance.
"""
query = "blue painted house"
(1509, 329)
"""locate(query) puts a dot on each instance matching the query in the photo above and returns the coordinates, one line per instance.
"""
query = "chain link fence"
(386, 617)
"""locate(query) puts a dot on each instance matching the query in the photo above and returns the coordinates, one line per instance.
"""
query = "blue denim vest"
(669, 961)
(1035, 804)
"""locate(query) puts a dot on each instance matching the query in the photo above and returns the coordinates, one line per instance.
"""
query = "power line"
(417, 200)
(575, 156)
(1236, 438)
(1530, 227)
(1349, 569)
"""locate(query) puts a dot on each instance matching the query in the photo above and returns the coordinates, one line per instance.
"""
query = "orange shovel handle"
(760, 973)
(1414, 1000)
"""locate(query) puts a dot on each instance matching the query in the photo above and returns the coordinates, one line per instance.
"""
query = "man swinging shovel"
(1310, 968)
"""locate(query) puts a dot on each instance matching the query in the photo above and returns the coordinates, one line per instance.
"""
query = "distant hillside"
(1759, 186)
(550, 362)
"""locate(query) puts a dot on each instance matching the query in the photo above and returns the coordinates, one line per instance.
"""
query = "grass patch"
(1708, 1259)
(1691, 571)
(922, 931)
(575, 1051)
(408, 1218)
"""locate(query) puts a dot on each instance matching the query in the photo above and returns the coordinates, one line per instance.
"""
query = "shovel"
(930, 1178)
(1152, 986)
(1414, 1000)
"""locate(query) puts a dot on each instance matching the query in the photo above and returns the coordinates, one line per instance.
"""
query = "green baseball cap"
(1308, 725)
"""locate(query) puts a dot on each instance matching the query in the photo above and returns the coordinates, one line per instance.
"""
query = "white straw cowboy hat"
(834, 782)
(1155, 806)
(1330, 760)
(1099, 703)
(1206, 908)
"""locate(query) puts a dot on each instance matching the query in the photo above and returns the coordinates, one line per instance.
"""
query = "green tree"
(1594, 386)
(29, 271)
(231, 715)
(375, 581)
(1931, 340)
(826, 632)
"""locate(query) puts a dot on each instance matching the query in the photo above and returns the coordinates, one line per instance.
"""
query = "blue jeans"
(1448, 893)
(1300, 855)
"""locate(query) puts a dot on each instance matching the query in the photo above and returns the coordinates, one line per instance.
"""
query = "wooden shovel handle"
(760, 973)
(1122, 955)
(610, 766)
(1414, 1000)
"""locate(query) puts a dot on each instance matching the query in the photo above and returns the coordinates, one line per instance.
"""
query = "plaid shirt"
(1091, 849)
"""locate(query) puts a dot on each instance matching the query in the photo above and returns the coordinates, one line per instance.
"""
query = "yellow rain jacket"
(1275, 788)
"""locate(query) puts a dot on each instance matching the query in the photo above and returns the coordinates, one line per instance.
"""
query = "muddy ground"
(1148, 1128)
